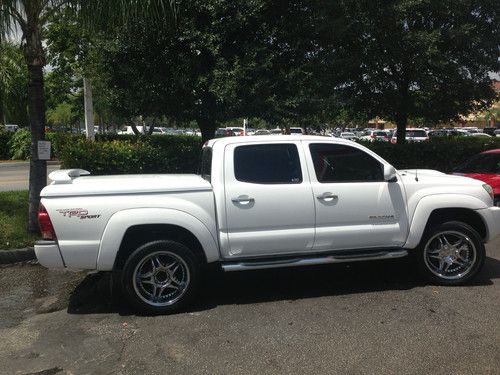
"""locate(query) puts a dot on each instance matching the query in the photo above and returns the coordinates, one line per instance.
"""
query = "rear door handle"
(243, 199)
(327, 197)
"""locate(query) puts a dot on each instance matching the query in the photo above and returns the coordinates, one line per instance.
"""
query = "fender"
(429, 203)
(122, 220)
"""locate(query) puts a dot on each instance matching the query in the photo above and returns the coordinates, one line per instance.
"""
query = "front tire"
(161, 277)
(451, 253)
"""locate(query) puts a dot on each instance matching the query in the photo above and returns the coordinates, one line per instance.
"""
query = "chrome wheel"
(450, 255)
(161, 278)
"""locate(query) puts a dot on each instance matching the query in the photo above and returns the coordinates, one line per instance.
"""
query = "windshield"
(482, 163)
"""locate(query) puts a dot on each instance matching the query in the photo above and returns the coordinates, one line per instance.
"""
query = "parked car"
(348, 135)
(413, 135)
(438, 133)
(157, 233)
(297, 130)
(484, 167)
(261, 132)
(237, 131)
(483, 135)
(276, 131)
(497, 132)
(375, 135)
(11, 127)
(224, 132)
(490, 131)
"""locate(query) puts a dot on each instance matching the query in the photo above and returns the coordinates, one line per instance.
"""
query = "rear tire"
(161, 277)
(451, 253)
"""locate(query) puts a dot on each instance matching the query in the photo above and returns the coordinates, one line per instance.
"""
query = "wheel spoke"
(446, 242)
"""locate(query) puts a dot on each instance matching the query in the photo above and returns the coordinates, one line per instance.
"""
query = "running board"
(296, 262)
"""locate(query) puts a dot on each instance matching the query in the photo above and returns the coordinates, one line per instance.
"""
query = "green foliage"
(13, 84)
(442, 154)
(408, 59)
(19, 145)
(4, 145)
(13, 219)
(132, 154)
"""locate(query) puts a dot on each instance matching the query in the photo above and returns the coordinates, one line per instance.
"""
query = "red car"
(485, 167)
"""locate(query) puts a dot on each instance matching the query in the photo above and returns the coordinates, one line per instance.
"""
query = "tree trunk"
(35, 60)
(401, 122)
(38, 168)
(89, 109)
(207, 128)
(207, 115)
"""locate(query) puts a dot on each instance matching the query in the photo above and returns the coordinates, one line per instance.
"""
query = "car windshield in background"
(380, 134)
(482, 163)
(416, 133)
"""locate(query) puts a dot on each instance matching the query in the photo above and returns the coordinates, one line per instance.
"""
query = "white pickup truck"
(263, 202)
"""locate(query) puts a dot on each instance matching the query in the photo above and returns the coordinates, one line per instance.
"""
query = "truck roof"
(274, 138)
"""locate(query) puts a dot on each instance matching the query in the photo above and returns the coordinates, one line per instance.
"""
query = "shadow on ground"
(93, 294)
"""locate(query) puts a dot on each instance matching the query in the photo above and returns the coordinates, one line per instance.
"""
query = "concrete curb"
(25, 163)
(17, 255)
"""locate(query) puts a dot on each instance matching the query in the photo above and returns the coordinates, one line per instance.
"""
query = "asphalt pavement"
(360, 318)
(15, 175)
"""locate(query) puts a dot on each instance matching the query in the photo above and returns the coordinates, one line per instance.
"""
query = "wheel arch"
(436, 209)
(128, 229)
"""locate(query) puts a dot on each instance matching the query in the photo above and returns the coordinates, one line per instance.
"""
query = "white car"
(11, 128)
(413, 135)
(348, 135)
(483, 135)
(263, 202)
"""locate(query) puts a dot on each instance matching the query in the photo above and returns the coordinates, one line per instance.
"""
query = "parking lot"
(349, 318)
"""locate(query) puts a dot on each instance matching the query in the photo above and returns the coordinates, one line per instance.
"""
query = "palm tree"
(12, 75)
(28, 18)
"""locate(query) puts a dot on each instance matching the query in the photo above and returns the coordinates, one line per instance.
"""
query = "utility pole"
(89, 109)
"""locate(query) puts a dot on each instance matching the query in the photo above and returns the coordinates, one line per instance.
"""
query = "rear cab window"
(267, 164)
(206, 164)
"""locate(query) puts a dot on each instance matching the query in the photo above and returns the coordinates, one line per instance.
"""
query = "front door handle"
(243, 199)
(327, 197)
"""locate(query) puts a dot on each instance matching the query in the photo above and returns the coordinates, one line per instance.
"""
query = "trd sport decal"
(77, 212)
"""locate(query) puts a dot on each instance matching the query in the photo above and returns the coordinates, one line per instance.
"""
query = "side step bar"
(326, 259)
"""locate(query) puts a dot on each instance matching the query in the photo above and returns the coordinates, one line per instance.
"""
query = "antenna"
(416, 175)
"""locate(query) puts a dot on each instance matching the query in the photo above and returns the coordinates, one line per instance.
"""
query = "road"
(15, 175)
(360, 318)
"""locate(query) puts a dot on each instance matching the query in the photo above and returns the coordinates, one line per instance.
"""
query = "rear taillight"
(46, 227)
(373, 136)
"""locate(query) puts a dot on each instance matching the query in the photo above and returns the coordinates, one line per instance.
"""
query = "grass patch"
(14, 221)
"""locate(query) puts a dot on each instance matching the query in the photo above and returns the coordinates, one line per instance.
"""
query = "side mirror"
(389, 173)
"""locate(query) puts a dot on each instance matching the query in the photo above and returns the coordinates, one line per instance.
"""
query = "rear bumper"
(48, 254)
(491, 217)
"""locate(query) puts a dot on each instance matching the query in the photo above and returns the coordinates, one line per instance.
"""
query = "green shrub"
(20, 144)
(124, 154)
(4, 145)
(443, 154)
(59, 140)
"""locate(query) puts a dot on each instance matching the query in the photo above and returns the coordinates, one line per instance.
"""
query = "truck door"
(355, 207)
(269, 201)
